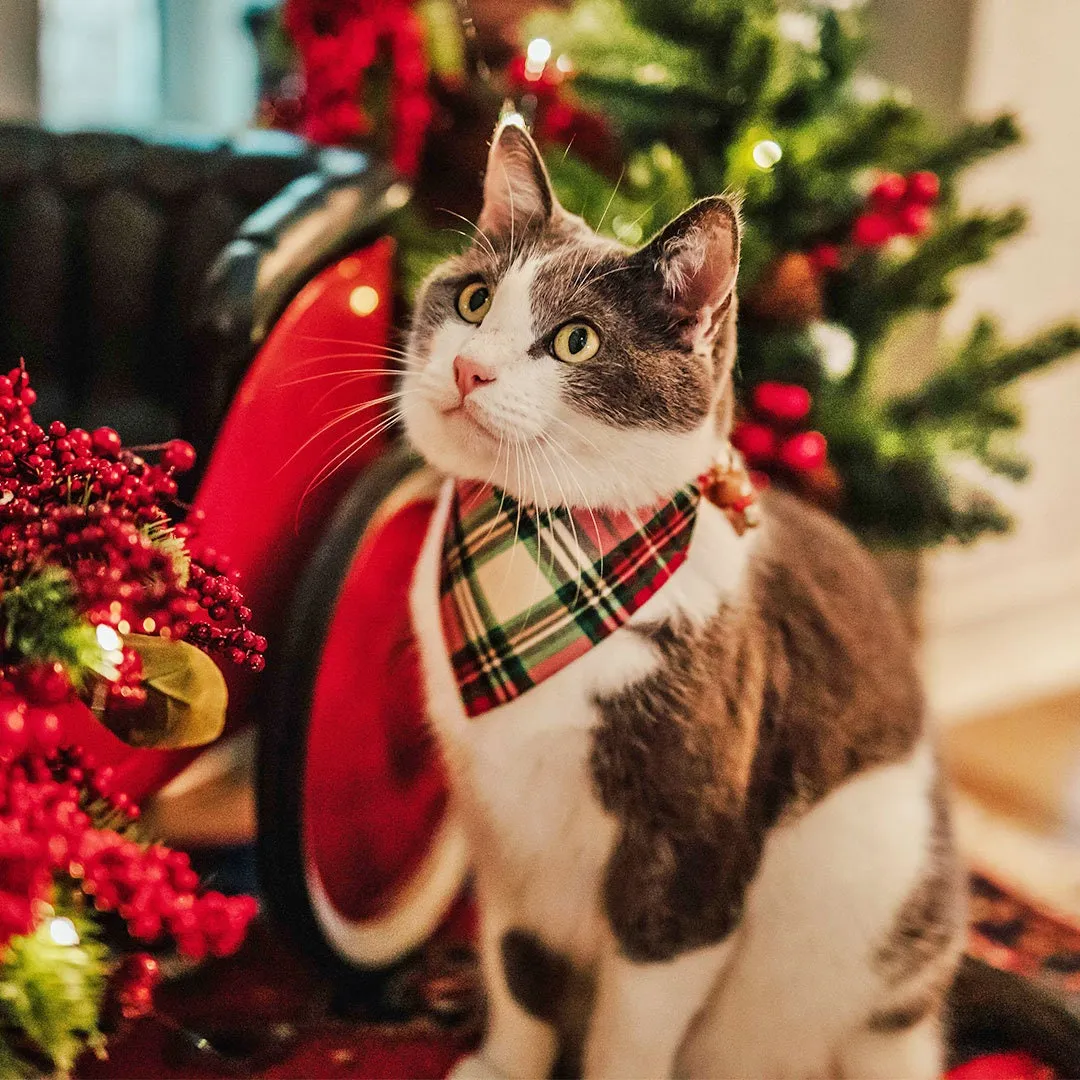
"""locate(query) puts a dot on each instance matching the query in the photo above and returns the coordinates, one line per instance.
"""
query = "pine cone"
(789, 291)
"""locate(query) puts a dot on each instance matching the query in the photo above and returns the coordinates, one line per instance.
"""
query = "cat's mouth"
(466, 414)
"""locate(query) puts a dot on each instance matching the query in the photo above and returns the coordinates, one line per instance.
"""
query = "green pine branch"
(971, 144)
(868, 135)
(979, 368)
(51, 993)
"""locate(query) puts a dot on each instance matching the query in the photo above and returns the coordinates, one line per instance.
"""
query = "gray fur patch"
(549, 987)
(806, 681)
(901, 1017)
(645, 374)
(929, 921)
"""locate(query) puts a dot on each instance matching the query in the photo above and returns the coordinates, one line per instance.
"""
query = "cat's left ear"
(697, 256)
(517, 190)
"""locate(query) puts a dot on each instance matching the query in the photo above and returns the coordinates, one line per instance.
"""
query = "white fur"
(785, 995)
(800, 985)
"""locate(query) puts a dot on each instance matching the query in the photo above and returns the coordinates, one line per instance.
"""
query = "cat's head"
(563, 367)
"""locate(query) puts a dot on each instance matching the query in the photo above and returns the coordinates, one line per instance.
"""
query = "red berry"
(783, 401)
(888, 191)
(142, 969)
(914, 220)
(46, 683)
(179, 455)
(106, 441)
(872, 230)
(804, 452)
(756, 441)
(13, 735)
(826, 257)
(924, 188)
(43, 728)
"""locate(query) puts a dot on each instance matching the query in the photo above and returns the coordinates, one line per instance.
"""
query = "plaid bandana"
(525, 591)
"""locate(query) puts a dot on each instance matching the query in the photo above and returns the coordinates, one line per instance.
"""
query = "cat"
(715, 842)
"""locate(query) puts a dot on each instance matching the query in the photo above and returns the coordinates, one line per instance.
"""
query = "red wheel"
(357, 849)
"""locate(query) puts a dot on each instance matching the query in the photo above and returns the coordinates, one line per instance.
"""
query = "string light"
(835, 347)
(800, 28)
(766, 154)
(512, 119)
(629, 232)
(363, 300)
(62, 931)
(397, 195)
(651, 74)
(564, 64)
(539, 51)
(537, 55)
(108, 638)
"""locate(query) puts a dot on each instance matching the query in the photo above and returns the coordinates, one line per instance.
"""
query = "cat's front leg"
(516, 1043)
(644, 1010)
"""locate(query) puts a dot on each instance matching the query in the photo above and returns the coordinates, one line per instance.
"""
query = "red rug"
(267, 1012)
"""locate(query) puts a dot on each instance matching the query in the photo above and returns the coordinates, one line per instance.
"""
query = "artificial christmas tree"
(850, 204)
(853, 222)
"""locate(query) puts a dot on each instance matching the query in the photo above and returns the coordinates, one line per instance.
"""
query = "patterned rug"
(268, 1013)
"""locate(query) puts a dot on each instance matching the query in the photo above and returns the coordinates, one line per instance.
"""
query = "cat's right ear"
(697, 257)
(517, 190)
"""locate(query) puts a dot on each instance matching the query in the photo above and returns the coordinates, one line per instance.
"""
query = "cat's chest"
(522, 771)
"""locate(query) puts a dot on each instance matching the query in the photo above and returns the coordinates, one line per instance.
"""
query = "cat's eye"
(474, 301)
(575, 343)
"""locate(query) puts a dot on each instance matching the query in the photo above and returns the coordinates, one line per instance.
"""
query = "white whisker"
(472, 225)
(614, 192)
(343, 456)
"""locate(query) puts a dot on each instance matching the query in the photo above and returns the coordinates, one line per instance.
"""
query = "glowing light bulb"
(564, 64)
(397, 195)
(512, 119)
(539, 51)
(62, 931)
(651, 74)
(363, 300)
(767, 153)
(536, 56)
(799, 27)
(108, 638)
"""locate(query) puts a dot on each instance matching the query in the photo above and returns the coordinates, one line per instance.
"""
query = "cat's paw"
(474, 1067)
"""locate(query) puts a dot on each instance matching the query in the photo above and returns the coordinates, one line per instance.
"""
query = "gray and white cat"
(722, 829)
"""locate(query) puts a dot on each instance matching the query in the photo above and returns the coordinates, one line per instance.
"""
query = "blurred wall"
(210, 70)
(1003, 619)
(99, 63)
(18, 59)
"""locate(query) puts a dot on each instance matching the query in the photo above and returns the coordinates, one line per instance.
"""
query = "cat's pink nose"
(468, 375)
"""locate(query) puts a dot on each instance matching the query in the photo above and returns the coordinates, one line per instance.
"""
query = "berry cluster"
(59, 817)
(769, 439)
(338, 43)
(80, 501)
(899, 206)
(223, 602)
(153, 890)
(133, 986)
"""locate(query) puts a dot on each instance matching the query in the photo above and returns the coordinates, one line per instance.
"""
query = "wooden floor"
(1016, 775)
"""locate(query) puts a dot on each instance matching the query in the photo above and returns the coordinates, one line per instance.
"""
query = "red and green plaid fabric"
(526, 591)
